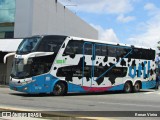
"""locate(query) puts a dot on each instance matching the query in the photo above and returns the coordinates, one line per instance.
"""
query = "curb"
(55, 114)
(4, 86)
(45, 113)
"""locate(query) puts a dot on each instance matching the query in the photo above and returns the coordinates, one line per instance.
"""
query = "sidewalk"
(4, 86)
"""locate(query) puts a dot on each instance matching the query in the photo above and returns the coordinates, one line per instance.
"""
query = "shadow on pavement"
(103, 93)
(76, 94)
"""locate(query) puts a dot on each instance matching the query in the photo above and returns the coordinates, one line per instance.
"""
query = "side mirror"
(36, 54)
(6, 56)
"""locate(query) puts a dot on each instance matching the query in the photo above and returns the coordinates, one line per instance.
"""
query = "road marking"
(155, 92)
(149, 92)
(128, 104)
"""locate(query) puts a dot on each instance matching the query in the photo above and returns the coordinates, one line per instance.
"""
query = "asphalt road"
(146, 100)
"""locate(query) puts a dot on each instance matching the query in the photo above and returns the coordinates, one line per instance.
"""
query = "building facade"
(7, 30)
(27, 18)
(38, 17)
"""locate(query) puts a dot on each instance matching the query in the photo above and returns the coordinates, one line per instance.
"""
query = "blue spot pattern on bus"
(148, 84)
(146, 73)
(75, 88)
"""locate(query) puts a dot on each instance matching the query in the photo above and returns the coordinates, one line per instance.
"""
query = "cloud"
(151, 36)
(152, 9)
(102, 6)
(123, 19)
(149, 6)
(106, 34)
(119, 8)
(7, 10)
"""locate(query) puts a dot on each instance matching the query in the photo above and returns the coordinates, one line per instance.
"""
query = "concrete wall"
(5, 71)
(9, 68)
(39, 17)
(23, 18)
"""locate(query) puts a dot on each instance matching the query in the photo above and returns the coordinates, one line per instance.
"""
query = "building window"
(7, 13)
(9, 34)
(6, 30)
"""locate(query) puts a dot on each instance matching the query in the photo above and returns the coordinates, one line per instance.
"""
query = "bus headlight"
(30, 81)
(26, 88)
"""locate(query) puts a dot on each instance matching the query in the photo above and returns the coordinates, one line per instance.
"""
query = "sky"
(134, 22)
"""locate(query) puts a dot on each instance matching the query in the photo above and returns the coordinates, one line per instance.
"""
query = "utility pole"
(158, 46)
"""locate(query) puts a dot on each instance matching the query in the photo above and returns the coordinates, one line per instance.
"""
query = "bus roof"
(106, 42)
(99, 41)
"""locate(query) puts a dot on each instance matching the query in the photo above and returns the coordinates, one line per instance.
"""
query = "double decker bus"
(62, 64)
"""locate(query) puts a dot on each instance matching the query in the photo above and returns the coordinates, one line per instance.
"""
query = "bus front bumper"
(22, 88)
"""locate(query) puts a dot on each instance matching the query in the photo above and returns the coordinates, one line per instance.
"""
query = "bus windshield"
(19, 70)
(35, 66)
(39, 64)
(40, 44)
(28, 45)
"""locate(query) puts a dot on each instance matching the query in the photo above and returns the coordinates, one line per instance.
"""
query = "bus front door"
(87, 69)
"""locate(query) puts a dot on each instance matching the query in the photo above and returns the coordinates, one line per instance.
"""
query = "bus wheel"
(59, 89)
(127, 87)
(137, 87)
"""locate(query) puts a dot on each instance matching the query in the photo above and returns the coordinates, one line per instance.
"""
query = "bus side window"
(142, 54)
(111, 51)
(147, 54)
(104, 51)
(50, 44)
(98, 50)
(88, 49)
(79, 46)
(151, 54)
(135, 53)
(128, 52)
(73, 47)
(138, 52)
(121, 52)
(70, 48)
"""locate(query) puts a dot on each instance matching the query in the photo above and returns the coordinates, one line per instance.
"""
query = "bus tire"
(137, 87)
(59, 89)
(127, 87)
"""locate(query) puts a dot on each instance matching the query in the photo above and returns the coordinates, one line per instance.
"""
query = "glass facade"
(7, 13)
